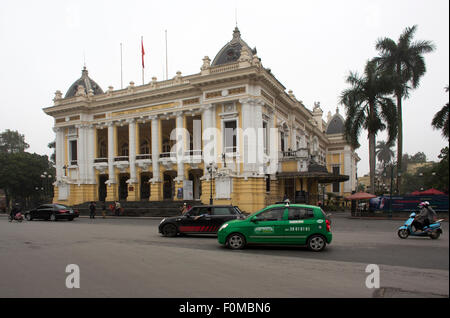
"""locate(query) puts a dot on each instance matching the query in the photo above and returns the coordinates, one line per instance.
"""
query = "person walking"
(104, 209)
(117, 208)
(92, 210)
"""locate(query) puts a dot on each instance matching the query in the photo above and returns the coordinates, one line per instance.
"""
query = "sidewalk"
(375, 216)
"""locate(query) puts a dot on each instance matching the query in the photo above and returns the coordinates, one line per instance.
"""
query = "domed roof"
(335, 124)
(232, 50)
(86, 82)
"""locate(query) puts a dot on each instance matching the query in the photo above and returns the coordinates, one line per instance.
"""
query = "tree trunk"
(372, 161)
(399, 141)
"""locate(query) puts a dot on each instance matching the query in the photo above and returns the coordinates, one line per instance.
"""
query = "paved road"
(128, 258)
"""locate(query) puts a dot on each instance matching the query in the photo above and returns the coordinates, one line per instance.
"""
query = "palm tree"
(384, 152)
(369, 108)
(404, 61)
(440, 119)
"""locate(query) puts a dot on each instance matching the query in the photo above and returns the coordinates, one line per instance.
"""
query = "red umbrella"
(415, 193)
(360, 196)
(431, 192)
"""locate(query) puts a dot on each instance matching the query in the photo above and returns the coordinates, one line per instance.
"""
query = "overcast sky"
(310, 46)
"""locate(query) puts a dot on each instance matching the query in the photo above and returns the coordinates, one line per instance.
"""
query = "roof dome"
(335, 124)
(86, 82)
(232, 50)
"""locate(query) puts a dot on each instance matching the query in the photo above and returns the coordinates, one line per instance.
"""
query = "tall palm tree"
(404, 61)
(369, 107)
(440, 119)
(384, 152)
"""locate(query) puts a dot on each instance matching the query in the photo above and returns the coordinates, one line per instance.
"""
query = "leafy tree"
(52, 145)
(369, 108)
(404, 61)
(419, 157)
(12, 142)
(20, 176)
(440, 119)
(384, 152)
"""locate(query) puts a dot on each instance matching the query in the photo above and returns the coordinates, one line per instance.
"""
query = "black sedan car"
(52, 212)
(204, 219)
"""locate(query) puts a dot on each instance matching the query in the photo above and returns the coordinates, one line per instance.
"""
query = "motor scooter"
(18, 217)
(433, 230)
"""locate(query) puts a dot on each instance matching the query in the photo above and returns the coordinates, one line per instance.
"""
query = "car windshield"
(60, 206)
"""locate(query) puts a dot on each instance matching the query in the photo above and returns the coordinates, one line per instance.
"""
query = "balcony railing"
(100, 160)
(121, 158)
(167, 155)
(143, 157)
(295, 154)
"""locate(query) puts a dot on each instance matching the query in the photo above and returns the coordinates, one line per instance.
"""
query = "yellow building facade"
(231, 133)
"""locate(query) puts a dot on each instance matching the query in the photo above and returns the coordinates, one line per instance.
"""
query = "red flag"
(142, 49)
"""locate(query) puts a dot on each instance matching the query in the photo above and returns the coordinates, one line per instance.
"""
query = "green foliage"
(20, 175)
(426, 177)
(12, 142)
(440, 120)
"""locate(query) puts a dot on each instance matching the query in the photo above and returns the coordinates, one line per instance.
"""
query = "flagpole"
(121, 70)
(142, 49)
(167, 71)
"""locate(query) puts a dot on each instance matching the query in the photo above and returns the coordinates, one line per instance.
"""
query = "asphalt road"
(128, 258)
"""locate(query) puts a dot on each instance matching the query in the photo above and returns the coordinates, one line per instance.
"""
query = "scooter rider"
(16, 209)
(426, 216)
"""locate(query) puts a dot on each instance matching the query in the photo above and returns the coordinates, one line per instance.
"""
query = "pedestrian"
(16, 209)
(117, 208)
(104, 209)
(92, 210)
(183, 209)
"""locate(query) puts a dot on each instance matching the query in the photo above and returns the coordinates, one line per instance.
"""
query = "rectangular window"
(336, 184)
(267, 182)
(230, 142)
(73, 152)
(275, 214)
(222, 211)
(300, 214)
(283, 147)
(265, 138)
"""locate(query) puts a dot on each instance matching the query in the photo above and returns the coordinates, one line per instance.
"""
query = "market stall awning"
(431, 192)
(360, 196)
(320, 176)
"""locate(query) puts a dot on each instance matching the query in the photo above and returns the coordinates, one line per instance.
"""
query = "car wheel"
(236, 241)
(169, 230)
(53, 217)
(28, 217)
(70, 219)
(403, 233)
(316, 243)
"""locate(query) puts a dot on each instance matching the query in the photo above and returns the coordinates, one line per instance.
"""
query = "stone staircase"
(140, 208)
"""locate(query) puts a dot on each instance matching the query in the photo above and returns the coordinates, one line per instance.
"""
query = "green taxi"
(290, 224)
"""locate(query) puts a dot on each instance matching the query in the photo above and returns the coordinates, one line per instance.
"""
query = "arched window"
(144, 148)
(124, 150)
(103, 150)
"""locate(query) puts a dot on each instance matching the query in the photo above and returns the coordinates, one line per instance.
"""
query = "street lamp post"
(211, 169)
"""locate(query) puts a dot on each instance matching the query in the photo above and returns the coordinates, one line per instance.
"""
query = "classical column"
(132, 149)
(81, 156)
(91, 140)
(155, 182)
(197, 135)
(155, 147)
(209, 139)
(59, 152)
(180, 139)
(111, 175)
(252, 150)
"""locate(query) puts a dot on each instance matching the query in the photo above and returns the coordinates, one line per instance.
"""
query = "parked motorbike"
(18, 217)
(433, 230)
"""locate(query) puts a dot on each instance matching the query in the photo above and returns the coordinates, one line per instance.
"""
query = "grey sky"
(310, 46)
